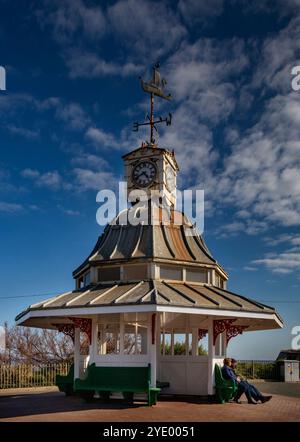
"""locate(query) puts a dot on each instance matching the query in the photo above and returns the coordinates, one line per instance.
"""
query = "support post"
(77, 353)
(211, 357)
(94, 341)
(153, 348)
(158, 338)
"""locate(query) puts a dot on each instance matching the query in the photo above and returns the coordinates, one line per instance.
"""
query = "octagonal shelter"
(151, 292)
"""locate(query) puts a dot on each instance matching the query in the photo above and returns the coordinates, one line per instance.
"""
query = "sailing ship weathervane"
(154, 87)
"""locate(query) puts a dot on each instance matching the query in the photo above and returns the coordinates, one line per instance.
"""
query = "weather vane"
(154, 87)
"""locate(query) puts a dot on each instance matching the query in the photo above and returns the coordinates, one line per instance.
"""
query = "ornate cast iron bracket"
(234, 330)
(85, 325)
(221, 325)
(226, 325)
(66, 329)
(201, 333)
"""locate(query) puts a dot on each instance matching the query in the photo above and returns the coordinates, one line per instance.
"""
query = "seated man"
(254, 392)
(243, 387)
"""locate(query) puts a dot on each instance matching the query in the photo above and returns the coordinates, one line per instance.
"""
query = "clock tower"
(151, 170)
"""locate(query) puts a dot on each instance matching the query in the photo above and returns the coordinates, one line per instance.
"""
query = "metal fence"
(26, 376)
(258, 369)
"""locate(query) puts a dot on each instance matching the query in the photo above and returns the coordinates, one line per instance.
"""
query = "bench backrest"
(122, 377)
(218, 375)
(71, 372)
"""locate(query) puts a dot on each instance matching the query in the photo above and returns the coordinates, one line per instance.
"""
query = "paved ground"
(283, 388)
(48, 405)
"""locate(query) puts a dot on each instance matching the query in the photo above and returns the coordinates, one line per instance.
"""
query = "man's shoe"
(237, 401)
(251, 401)
(265, 399)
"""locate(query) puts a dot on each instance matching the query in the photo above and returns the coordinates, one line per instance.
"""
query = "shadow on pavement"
(44, 403)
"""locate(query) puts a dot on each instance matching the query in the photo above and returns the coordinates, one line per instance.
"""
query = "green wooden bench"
(65, 383)
(225, 388)
(126, 380)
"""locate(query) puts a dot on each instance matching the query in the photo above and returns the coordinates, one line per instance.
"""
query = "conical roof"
(171, 239)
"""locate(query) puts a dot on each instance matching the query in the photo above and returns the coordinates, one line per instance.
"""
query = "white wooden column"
(93, 350)
(158, 338)
(211, 357)
(195, 342)
(76, 353)
(153, 347)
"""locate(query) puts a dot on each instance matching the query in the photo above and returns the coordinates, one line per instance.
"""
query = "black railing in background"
(252, 369)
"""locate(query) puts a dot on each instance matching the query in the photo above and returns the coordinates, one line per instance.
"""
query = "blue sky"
(65, 120)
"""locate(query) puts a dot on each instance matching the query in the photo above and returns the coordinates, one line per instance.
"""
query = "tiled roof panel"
(155, 292)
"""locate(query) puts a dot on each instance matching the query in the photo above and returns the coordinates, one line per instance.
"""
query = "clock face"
(170, 179)
(144, 173)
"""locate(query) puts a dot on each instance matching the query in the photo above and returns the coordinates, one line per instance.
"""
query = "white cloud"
(102, 139)
(261, 173)
(24, 132)
(290, 238)
(51, 180)
(284, 262)
(85, 64)
(106, 140)
(69, 212)
(10, 207)
(72, 114)
(198, 78)
(69, 17)
(141, 26)
(91, 161)
(278, 55)
(198, 11)
(87, 179)
(146, 27)
(30, 173)
(11, 102)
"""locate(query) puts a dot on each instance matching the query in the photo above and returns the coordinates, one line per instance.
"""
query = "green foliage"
(180, 349)
(202, 350)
